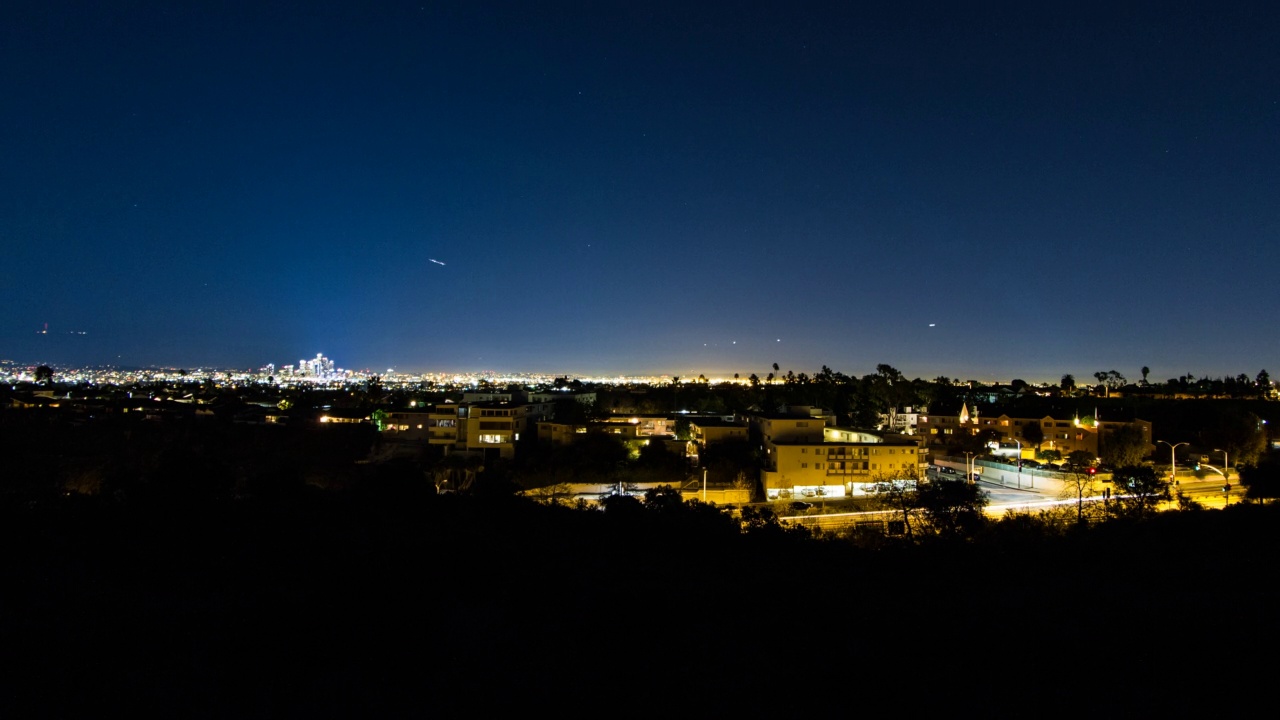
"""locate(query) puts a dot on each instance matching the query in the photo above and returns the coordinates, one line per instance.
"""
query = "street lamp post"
(1019, 462)
(1173, 460)
(1226, 464)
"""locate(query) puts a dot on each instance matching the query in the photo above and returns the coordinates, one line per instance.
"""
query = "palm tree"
(1068, 383)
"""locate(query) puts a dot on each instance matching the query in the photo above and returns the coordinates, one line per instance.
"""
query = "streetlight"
(1226, 464)
(1173, 460)
(968, 471)
(1019, 462)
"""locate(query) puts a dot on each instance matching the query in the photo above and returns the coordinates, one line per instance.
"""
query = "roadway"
(1002, 499)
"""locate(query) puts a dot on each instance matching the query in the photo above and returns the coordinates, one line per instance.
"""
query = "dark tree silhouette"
(953, 508)
(1139, 489)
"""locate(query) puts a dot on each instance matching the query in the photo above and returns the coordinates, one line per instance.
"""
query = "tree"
(1049, 455)
(373, 388)
(978, 443)
(569, 411)
(656, 461)
(1145, 372)
(1139, 489)
(1068, 384)
(897, 494)
(734, 462)
(1124, 445)
(1033, 433)
(1264, 383)
(1240, 433)
(598, 456)
(44, 374)
(1262, 481)
(953, 508)
(663, 498)
(1110, 380)
(622, 506)
(1079, 479)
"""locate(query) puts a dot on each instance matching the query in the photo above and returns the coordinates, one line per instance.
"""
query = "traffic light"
(1197, 465)
(1093, 471)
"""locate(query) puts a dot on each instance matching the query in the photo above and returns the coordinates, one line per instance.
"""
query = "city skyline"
(993, 192)
(322, 368)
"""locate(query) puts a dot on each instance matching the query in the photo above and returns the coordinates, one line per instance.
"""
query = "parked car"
(800, 506)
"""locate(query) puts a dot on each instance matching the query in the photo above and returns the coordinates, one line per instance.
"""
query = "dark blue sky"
(635, 187)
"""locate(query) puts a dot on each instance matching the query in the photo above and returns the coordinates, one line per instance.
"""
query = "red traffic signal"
(1093, 471)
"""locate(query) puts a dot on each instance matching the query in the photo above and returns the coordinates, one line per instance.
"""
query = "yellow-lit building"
(629, 427)
(712, 431)
(834, 462)
(775, 429)
(560, 434)
(1064, 434)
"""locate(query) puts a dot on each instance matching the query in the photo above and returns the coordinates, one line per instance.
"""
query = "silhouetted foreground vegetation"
(387, 601)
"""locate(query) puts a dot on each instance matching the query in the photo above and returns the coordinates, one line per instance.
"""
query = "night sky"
(980, 190)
